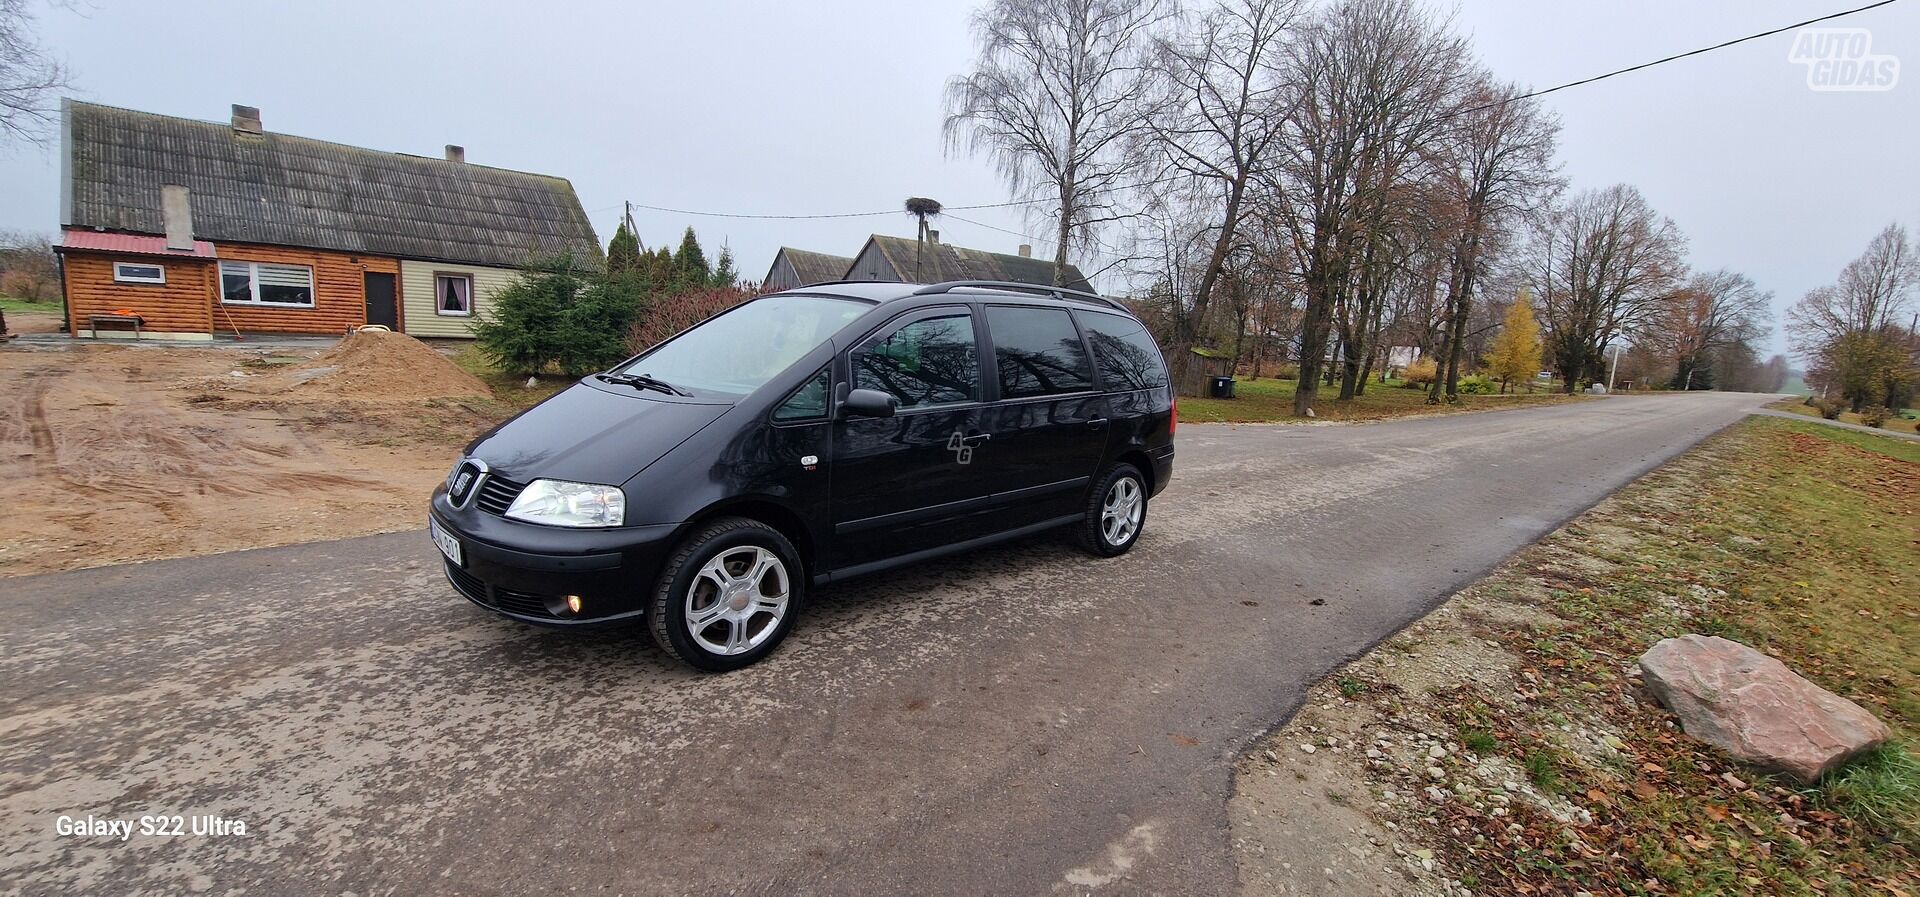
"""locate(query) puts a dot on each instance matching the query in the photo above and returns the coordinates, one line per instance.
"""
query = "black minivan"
(804, 437)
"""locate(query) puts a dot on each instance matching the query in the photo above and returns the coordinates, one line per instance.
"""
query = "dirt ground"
(126, 453)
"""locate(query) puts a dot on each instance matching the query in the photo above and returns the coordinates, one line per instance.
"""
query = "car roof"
(887, 291)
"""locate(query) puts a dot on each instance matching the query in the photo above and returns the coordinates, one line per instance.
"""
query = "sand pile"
(376, 365)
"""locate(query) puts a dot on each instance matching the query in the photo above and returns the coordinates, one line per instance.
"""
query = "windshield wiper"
(645, 382)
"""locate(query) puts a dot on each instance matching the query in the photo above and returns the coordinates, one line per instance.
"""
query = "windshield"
(733, 354)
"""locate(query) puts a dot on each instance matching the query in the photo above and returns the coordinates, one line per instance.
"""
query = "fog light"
(573, 603)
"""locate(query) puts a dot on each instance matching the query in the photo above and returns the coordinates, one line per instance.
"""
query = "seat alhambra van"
(804, 437)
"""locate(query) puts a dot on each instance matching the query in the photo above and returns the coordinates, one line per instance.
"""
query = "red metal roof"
(133, 244)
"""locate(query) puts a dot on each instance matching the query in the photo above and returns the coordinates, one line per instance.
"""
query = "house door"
(380, 301)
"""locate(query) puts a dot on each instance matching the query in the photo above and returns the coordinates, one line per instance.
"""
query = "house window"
(453, 294)
(260, 283)
(134, 272)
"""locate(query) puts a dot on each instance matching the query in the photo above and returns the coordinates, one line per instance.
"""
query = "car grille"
(497, 494)
(523, 603)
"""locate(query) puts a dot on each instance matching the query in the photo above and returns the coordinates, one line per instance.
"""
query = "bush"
(1478, 385)
(669, 314)
(1420, 374)
(1828, 408)
(1875, 415)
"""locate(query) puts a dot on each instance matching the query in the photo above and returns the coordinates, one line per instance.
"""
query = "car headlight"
(560, 503)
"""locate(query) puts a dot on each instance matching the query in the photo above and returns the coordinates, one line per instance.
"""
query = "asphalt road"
(1023, 720)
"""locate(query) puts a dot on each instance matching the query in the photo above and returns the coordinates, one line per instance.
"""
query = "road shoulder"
(1503, 742)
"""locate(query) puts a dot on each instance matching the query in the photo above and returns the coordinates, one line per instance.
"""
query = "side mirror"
(869, 403)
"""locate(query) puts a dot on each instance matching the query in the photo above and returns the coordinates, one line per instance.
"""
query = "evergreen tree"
(523, 334)
(691, 260)
(724, 274)
(623, 251)
(662, 270)
(1516, 351)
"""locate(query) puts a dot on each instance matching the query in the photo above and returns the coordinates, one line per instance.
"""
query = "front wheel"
(1116, 512)
(727, 596)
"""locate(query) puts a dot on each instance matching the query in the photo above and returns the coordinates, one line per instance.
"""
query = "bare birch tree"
(1714, 312)
(1054, 95)
(1369, 83)
(1603, 265)
(1214, 128)
(31, 79)
(1498, 166)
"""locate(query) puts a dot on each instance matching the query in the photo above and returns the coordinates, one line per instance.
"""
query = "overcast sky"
(802, 108)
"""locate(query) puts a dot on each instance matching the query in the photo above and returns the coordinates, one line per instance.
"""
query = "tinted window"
(807, 402)
(932, 361)
(1037, 351)
(734, 353)
(1125, 352)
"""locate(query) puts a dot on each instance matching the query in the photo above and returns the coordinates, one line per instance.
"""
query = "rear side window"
(931, 361)
(1125, 352)
(1037, 352)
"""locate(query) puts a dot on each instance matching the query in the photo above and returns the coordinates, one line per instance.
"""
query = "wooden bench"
(97, 320)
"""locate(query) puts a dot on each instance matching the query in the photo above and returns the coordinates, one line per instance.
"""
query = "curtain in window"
(455, 293)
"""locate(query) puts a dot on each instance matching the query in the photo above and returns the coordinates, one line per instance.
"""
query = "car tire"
(728, 595)
(1116, 512)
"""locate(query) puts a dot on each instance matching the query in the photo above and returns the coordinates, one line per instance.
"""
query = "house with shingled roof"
(184, 228)
(907, 260)
(799, 267)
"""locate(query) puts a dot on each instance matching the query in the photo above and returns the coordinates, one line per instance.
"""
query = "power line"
(1497, 103)
(1718, 46)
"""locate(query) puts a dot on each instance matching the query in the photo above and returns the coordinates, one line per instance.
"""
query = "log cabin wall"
(339, 290)
(182, 305)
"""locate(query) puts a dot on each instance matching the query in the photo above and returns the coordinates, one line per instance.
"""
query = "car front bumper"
(525, 571)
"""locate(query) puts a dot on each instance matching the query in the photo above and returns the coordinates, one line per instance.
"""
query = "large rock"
(1751, 706)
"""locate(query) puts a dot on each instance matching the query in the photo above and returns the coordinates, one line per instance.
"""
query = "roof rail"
(1017, 287)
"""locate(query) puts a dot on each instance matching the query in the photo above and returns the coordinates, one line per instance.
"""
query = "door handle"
(1096, 423)
(975, 438)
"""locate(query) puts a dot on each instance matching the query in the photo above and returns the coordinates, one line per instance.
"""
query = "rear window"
(1124, 352)
(1037, 351)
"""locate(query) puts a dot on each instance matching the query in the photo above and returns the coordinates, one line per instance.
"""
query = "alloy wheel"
(737, 600)
(1121, 511)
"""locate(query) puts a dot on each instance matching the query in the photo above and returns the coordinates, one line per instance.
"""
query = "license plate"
(449, 545)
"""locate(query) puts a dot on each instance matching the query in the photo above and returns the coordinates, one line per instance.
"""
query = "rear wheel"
(727, 596)
(1116, 512)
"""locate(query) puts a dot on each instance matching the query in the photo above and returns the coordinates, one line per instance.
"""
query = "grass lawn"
(1268, 399)
(52, 307)
(1799, 406)
(1795, 539)
(510, 390)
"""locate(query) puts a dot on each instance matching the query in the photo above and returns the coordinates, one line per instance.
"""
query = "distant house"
(197, 227)
(905, 259)
(798, 267)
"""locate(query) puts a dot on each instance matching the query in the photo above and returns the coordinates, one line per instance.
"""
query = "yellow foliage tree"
(1516, 351)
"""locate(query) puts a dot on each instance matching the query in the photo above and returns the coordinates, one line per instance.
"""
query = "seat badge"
(810, 461)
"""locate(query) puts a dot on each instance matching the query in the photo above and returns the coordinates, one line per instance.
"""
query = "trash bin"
(1222, 388)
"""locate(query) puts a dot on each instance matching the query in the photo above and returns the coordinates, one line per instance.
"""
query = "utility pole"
(1614, 368)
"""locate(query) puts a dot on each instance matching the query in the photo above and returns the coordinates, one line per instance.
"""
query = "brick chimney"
(246, 119)
(1026, 250)
(456, 153)
(933, 236)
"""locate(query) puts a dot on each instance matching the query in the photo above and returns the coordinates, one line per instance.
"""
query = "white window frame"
(253, 284)
(119, 277)
(471, 299)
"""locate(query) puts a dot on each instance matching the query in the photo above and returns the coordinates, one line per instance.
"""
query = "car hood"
(590, 434)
